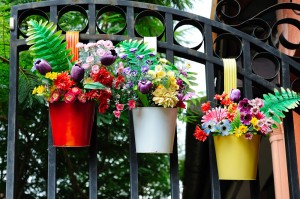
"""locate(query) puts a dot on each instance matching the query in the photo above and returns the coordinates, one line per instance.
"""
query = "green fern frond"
(282, 101)
(236, 122)
(48, 44)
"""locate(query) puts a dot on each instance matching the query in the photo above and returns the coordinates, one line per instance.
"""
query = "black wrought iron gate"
(248, 46)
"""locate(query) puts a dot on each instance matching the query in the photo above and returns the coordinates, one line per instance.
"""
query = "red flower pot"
(71, 123)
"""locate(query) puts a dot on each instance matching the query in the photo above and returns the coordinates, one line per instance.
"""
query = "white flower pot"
(154, 129)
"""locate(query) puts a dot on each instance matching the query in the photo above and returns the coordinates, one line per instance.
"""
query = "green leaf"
(94, 85)
(141, 96)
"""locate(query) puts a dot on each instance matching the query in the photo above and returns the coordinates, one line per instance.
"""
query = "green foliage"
(48, 44)
(236, 121)
(282, 101)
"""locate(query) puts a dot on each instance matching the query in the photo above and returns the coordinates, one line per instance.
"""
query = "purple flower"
(245, 118)
(144, 86)
(127, 70)
(123, 56)
(244, 106)
(109, 58)
(149, 62)
(133, 73)
(42, 66)
(77, 73)
(151, 54)
(145, 69)
(235, 95)
(133, 50)
(140, 56)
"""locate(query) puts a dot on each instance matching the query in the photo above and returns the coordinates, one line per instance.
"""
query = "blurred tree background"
(72, 164)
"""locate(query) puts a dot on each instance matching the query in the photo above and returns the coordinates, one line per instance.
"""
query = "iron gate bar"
(211, 62)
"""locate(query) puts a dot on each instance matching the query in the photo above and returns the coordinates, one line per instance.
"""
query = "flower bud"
(77, 73)
(235, 95)
(144, 86)
(109, 58)
(42, 66)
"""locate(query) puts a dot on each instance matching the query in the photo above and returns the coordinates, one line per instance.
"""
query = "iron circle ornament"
(28, 13)
(111, 8)
(229, 37)
(150, 13)
(75, 8)
(193, 23)
(296, 85)
(265, 65)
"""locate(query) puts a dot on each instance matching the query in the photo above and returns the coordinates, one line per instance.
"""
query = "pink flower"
(80, 45)
(108, 44)
(85, 66)
(75, 90)
(81, 97)
(69, 97)
(217, 114)
(89, 59)
(95, 69)
(54, 97)
(100, 52)
(100, 42)
(120, 107)
(248, 136)
(117, 113)
(90, 45)
(131, 104)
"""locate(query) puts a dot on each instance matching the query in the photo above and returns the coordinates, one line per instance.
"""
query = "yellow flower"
(171, 74)
(38, 90)
(163, 60)
(152, 73)
(173, 83)
(254, 122)
(243, 128)
(88, 80)
(165, 97)
(158, 68)
(160, 74)
(51, 75)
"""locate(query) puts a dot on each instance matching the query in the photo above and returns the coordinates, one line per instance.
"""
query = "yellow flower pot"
(237, 157)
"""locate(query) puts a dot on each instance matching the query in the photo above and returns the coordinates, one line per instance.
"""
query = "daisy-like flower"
(217, 114)
(224, 127)
(254, 122)
(63, 81)
(38, 90)
(209, 126)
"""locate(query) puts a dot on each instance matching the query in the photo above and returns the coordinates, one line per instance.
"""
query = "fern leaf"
(48, 44)
(282, 101)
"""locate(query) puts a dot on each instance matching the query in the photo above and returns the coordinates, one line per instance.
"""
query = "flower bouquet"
(70, 89)
(153, 88)
(240, 123)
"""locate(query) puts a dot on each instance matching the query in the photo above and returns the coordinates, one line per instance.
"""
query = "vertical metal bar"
(209, 73)
(290, 140)
(173, 156)
(12, 113)
(248, 91)
(51, 186)
(134, 184)
(93, 150)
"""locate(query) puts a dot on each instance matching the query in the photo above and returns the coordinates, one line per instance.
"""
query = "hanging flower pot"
(154, 129)
(71, 123)
(237, 157)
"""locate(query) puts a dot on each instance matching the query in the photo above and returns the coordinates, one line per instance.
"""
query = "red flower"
(76, 91)
(226, 101)
(81, 97)
(180, 104)
(63, 81)
(119, 80)
(220, 97)
(54, 97)
(120, 107)
(103, 76)
(199, 134)
(205, 106)
(117, 113)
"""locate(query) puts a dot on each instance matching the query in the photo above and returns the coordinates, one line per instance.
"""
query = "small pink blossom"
(120, 107)
(89, 59)
(131, 104)
(69, 97)
(90, 45)
(248, 136)
(85, 66)
(80, 45)
(117, 113)
(108, 44)
(100, 52)
(100, 42)
(256, 102)
(54, 97)
(95, 69)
